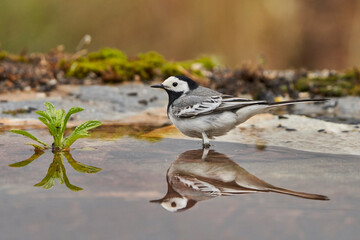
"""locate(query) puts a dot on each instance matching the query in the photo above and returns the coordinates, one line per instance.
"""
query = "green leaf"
(67, 182)
(37, 147)
(59, 117)
(54, 171)
(80, 167)
(80, 132)
(52, 129)
(44, 115)
(47, 183)
(49, 180)
(50, 110)
(69, 113)
(35, 156)
(26, 134)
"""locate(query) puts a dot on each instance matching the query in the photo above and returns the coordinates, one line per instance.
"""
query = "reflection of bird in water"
(191, 179)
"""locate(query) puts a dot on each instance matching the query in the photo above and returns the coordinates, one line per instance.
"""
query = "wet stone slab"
(119, 102)
(139, 104)
(103, 103)
(291, 131)
(115, 202)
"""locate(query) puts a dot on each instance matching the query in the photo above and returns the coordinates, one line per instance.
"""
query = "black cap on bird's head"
(191, 83)
(177, 83)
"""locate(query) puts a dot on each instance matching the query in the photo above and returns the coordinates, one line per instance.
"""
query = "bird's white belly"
(223, 171)
(213, 125)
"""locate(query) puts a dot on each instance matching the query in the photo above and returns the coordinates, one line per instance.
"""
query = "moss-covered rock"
(331, 86)
(106, 53)
(37, 71)
(114, 65)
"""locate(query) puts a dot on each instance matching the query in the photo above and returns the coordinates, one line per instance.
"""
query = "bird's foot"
(205, 141)
(206, 145)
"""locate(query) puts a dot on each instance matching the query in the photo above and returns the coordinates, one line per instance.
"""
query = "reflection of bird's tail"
(298, 194)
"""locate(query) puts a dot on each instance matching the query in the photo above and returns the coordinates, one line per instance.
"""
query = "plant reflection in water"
(57, 169)
(192, 178)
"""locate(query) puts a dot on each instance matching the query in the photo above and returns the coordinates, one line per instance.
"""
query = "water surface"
(115, 201)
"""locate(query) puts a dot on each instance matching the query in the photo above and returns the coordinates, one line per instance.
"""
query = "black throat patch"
(172, 97)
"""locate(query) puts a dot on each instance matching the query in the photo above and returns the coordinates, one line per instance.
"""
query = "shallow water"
(115, 201)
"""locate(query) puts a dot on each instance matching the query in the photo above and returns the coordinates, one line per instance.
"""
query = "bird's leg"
(205, 140)
(205, 153)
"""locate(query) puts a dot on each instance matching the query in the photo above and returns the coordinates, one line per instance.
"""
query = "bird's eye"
(173, 204)
(175, 84)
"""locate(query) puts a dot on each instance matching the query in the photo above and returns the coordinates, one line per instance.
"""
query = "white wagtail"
(200, 112)
(190, 180)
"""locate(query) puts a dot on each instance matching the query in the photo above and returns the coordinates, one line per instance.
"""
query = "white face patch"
(174, 204)
(176, 85)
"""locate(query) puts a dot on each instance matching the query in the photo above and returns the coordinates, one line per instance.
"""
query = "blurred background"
(313, 34)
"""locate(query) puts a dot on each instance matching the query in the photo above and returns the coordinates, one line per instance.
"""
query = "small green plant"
(56, 121)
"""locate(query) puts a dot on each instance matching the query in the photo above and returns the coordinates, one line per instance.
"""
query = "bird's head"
(175, 204)
(177, 84)
(174, 201)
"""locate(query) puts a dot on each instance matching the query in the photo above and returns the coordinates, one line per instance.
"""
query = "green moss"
(147, 63)
(3, 55)
(15, 112)
(22, 58)
(114, 65)
(196, 67)
(106, 53)
(332, 86)
(302, 85)
(123, 70)
(171, 69)
(207, 62)
(81, 69)
(105, 60)
(152, 59)
(284, 88)
(355, 91)
(62, 63)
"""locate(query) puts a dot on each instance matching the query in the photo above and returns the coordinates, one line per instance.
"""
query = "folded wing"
(214, 104)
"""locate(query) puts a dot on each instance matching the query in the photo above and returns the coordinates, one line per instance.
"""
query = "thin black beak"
(157, 200)
(157, 86)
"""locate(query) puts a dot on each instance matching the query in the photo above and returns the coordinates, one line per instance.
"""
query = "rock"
(262, 128)
(120, 105)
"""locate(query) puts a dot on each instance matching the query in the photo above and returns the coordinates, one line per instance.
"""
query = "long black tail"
(298, 101)
(299, 194)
